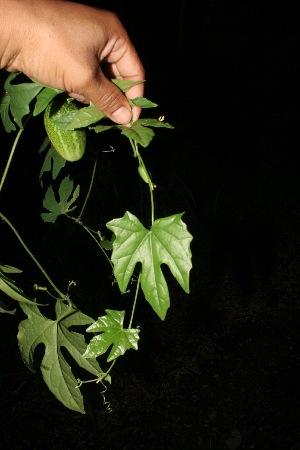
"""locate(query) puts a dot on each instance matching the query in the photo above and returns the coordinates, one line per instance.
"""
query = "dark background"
(222, 371)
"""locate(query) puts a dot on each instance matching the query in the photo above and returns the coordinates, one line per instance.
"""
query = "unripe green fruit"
(143, 173)
(70, 144)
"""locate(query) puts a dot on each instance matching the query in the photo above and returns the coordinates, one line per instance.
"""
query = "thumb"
(107, 97)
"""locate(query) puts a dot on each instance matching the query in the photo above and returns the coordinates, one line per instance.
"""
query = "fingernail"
(122, 115)
(78, 97)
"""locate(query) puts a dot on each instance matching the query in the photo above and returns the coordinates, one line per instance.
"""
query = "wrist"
(20, 24)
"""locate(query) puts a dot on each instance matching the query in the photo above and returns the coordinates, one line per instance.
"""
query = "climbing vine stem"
(31, 255)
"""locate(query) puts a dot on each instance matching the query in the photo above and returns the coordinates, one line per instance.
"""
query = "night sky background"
(225, 74)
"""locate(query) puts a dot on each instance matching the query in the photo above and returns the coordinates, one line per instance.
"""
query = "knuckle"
(107, 101)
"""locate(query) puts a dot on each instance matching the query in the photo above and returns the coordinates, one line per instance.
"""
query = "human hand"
(72, 47)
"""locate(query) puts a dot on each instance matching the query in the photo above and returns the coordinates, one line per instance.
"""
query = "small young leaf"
(167, 242)
(55, 334)
(53, 161)
(143, 102)
(142, 135)
(4, 309)
(9, 287)
(100, 128)
(113, 333)
(106, 245)
(155, 123)
(125, 85)
(63, 206)
(9, 269)
(80, 118)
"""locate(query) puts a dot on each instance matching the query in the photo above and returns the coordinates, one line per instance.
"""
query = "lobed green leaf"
(113, 334)
(167, 242)
(55, 335)
(63, 206)
(53, 160)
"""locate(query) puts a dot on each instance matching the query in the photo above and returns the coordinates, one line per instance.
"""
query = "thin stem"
(31, 255)
(109, 369)
(97, 242)
(14, 146)
(12, 151)
(92, 236)
(10, 157)
(99, 379)
(133, 145)
(135, 299)
(137, 154)
(89, 191)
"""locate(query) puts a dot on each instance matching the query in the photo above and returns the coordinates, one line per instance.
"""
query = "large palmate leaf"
(55, 334)
(167, 242)
(63, 206)
(113, 333)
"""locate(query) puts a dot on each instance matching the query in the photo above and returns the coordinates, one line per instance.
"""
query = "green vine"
(167, 241)
(61, 295)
